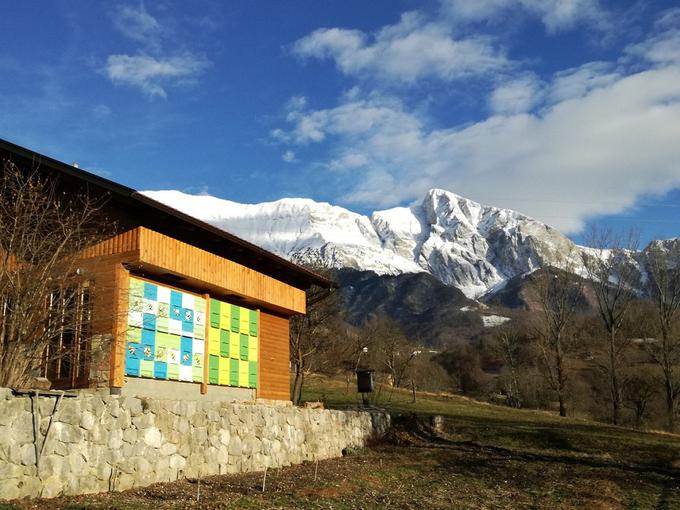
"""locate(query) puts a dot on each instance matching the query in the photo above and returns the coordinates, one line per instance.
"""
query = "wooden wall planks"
(274, 357)
(165, 252)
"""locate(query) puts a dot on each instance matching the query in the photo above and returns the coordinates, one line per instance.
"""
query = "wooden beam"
(206, 349)
(119, 326)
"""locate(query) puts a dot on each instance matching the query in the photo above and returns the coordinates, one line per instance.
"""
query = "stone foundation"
(100, 443)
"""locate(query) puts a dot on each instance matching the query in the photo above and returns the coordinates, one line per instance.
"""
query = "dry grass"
(489, 457)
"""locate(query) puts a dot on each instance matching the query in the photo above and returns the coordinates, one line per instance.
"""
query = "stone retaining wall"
(98, 443)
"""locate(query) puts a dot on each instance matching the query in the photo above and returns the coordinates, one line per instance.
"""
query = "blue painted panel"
(185, 354)
(176, 298)
(132, 367)
(176, 312)
(149, 321)
(148, 337)
(150, 291)
(160, 370)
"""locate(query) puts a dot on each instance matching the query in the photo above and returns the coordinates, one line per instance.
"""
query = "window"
(67, 356)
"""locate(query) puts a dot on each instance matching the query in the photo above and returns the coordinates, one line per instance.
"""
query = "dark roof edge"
(120, 189)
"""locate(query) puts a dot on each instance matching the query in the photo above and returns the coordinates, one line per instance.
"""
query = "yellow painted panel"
(252, 348)
(224, 372)
(214, 342)
(245, 320)
(225, 318)
(243, 373)
(234, 339)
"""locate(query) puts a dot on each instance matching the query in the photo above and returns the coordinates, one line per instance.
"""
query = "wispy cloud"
(152, 75)
(518, 95)
(138, 25)
(556, 15)
(154, 69)
(289, 157)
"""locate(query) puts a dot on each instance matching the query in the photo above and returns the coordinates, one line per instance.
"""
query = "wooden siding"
(274, 358)
(169, 254)
(127, 242)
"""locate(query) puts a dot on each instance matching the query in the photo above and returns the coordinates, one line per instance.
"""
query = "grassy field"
(487, 457)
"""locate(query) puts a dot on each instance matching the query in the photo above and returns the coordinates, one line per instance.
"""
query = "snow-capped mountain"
(472, 247)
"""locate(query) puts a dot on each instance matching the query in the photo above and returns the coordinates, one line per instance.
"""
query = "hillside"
(487, 457)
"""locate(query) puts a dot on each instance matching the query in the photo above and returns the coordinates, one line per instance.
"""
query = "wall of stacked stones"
(100, 443)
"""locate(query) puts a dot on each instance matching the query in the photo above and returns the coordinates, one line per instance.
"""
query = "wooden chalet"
(182, 308)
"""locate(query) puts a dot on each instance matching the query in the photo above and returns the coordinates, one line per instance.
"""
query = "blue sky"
(567, 110)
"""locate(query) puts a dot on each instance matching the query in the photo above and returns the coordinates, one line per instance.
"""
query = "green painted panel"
(233, 372)
(173, 372)
(224, 343)
(146, 368)
(253, 322)
(213, 369)
(235, 318)
(134, 334)
(244, 347)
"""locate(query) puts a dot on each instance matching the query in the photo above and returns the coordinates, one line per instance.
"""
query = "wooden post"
(121, 283)
(206, 346)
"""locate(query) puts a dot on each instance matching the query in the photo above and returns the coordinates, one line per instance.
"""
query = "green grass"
(528, 431)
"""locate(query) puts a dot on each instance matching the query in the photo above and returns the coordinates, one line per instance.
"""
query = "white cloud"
(601, 140)
(137, 24)
(556, 15)
(663, 48)
(412, 49)
(516, 96)
(578, 81)
(289, 156)
(153, 74)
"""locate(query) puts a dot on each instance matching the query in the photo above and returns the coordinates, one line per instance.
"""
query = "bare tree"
(309, 334)
(613, 276)
(639, 388)
(560, 293)
(508, 346)
(390, 349)
(43, 296)
(663, 266)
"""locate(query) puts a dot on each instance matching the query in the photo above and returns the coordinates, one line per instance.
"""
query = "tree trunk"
(670, 404)
(563, 404)
(297, 384)
(614, 380)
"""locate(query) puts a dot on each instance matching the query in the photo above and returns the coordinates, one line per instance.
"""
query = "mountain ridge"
(472, 247)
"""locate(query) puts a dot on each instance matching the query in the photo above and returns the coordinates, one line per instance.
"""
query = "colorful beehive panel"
(233, 340)
(165, 333)
(166, 337)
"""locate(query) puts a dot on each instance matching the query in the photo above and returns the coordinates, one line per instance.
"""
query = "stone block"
(152, 437)
(87, 420)
(66, 432)
(168, 449)
(27, 455)
(144, 421)
(52, 487)
(235, 446)
(177, 462)
(134, 405)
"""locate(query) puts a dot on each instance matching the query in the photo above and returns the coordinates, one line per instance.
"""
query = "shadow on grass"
(414, 430)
